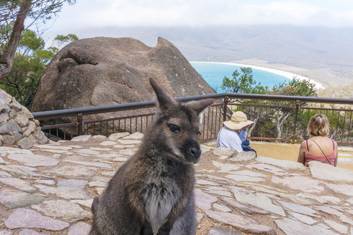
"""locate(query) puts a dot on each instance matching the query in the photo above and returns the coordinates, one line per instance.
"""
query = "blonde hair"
(319, 125)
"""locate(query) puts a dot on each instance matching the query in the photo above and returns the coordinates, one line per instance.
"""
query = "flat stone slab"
(107, 143)
(117, 136)
(98, 138)
(292, 227)
(14, 199)
(30, 232)
(134, 136)
(33, 160)
(298, 208)
(329, 173)
(345, 189)
(258, 200)
(222, 231)
(337, 226)
(243, 156)
(223, 152)
(268, 168)
(73, 171)
(129, 141)
(18, 184)
(64, 192)
(79, 228)
(65, 210)
(301, 183)
(204, 200)
(49, 189)
(225, 167)
(246, 175)
(19, 170)
(27, 218)
(81, 138)
(285, 164)
(303, 218)
(239, 222)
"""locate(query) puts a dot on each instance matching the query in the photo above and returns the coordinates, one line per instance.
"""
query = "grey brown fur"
(152, 193)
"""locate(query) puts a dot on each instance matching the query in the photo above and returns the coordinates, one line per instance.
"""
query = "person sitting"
(233, 134)
(319, 147)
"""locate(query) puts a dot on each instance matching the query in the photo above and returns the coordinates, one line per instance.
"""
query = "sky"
(90, 14)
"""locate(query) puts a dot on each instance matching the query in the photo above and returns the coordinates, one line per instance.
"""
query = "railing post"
(225, 104)
(297, 105)
(79, 124)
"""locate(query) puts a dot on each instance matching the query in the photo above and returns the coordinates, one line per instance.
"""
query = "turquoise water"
(214, 73)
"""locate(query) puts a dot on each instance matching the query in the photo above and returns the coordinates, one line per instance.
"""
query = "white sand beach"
(289, 75)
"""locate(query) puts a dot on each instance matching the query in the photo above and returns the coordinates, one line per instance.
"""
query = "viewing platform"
(49, 188)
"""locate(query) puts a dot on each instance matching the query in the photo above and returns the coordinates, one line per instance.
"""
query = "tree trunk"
(6, 59)
(251, 129)
(280, 123)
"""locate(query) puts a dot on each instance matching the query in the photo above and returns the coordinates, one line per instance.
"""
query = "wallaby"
(152, 193)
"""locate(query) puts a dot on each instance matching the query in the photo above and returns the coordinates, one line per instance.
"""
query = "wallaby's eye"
(173, 128)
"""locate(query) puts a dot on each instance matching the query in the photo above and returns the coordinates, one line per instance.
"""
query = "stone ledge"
(259, 196)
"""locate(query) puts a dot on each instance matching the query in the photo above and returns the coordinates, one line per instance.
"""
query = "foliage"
(13, 14)
(271, 118)
(243, 82)
(41, 10)
(66, 38)
(295, 87)
(29, 65)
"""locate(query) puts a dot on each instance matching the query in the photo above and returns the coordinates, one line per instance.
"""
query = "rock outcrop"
(97, 71)
(17, 125)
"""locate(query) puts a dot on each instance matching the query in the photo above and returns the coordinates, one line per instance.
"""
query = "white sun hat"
(238, 121)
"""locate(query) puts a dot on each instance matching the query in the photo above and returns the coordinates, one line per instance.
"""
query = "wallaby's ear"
(200, 105)
(165, 102)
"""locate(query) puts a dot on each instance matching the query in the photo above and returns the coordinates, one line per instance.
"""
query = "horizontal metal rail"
(148, 104)
(113, 107)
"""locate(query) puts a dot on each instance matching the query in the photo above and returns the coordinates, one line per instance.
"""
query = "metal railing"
(277, 118)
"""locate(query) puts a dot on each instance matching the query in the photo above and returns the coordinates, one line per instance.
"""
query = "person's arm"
(302, 149)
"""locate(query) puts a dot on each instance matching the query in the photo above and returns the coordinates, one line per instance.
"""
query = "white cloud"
(104, 13)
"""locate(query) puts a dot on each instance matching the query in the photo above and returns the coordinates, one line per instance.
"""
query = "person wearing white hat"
(233, 134)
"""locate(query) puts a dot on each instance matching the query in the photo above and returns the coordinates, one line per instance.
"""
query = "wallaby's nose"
(192, 151)
(195, 152)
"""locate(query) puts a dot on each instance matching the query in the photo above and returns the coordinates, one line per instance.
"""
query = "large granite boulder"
(97, 71)
(17, 125)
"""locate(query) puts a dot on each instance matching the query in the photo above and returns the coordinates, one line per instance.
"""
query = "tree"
(29, 65)
(275, 119)
(12, 17)
(243, 82)
(9, 50)
(294, 87)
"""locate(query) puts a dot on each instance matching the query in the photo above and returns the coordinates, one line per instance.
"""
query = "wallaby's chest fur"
(160, 193)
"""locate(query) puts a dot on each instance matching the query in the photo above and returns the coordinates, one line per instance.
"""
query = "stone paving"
(49, 189)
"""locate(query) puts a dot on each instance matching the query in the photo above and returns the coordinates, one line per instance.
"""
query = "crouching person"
(234, 134)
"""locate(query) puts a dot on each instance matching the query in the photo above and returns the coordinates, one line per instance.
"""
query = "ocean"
(214, 72)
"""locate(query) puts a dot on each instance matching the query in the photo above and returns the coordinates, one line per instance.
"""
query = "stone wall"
(17, 125)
